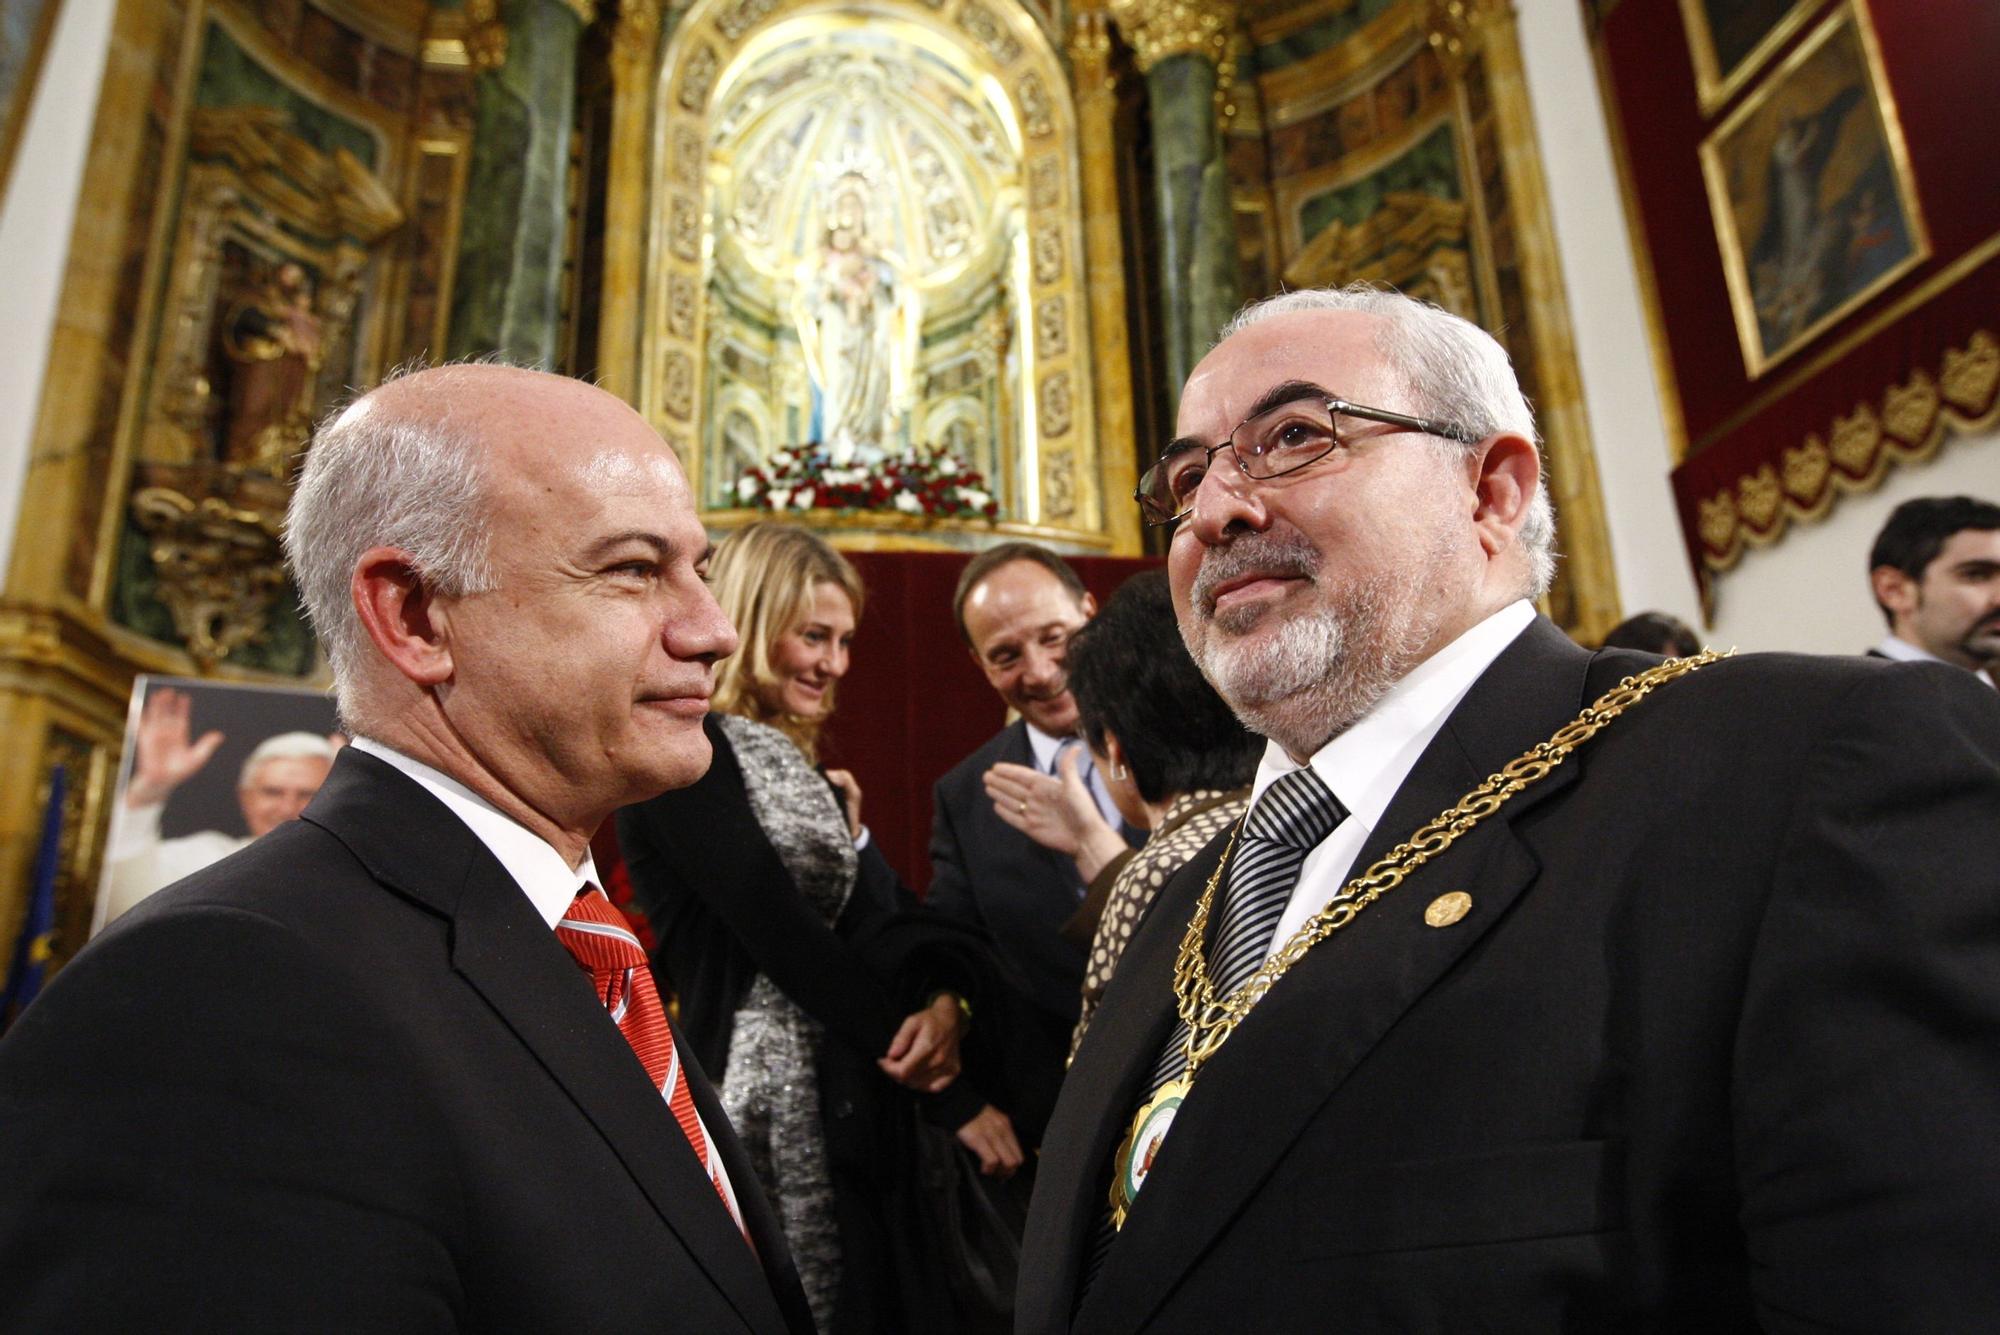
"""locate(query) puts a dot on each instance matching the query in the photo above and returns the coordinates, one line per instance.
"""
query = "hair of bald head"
(395, 469)
(1456, 372)
(286, 746)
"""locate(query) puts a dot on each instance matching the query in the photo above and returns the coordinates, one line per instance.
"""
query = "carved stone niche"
(213, 535)
(274, 247)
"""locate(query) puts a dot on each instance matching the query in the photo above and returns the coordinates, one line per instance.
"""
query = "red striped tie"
(595, 934)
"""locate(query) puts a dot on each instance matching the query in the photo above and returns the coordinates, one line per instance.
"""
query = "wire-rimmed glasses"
(1269, 444)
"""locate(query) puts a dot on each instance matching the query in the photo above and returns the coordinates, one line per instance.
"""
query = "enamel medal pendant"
(1134, 1161)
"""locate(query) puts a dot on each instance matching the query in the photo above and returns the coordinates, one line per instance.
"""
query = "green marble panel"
(231, 77)
(509, 281)
(1323, 35)
(1430, 166)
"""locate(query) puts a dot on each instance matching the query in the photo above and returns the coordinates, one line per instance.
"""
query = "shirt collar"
(1905, 652)
(548, 881)
(1044, 746)
(1365, 765)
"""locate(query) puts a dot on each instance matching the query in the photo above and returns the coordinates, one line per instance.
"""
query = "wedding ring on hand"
(1021, 806)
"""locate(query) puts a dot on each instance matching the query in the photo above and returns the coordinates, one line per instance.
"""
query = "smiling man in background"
(1017, 606)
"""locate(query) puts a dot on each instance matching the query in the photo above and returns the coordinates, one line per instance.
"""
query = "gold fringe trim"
(1855, 454)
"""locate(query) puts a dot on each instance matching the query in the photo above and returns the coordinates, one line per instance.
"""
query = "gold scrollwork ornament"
(217, 556)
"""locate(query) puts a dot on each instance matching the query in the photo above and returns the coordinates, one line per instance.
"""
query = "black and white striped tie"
(1290, 820)
(1292, 817)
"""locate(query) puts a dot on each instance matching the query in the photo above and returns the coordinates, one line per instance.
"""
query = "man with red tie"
(399, 1065)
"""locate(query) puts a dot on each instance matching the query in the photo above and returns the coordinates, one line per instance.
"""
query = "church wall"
(35, 222)
(1620, 393)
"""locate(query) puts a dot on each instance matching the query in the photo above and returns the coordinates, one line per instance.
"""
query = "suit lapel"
(502, 948)
(1255, 1097)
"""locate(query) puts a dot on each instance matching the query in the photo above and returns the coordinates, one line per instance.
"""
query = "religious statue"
(272, 338)
(857, 319)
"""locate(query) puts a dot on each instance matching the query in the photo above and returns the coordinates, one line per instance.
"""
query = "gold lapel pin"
(1448, 909)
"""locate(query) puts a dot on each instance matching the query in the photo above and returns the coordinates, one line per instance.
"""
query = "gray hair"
(381, 478)
(287, 746)
(1456, 371)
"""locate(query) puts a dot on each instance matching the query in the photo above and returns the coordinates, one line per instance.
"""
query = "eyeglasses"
(1276, 441)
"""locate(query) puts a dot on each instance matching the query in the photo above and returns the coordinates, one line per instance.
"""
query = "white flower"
(802, 499)
(746, 489)
(974, 497)
(779, 498)
(908, 503)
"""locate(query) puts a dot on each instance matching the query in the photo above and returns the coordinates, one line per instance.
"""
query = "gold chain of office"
(1210, 1020)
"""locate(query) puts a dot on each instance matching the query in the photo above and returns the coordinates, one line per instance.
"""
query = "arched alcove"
(912, 164)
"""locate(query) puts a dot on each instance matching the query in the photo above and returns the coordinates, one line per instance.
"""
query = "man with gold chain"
(1539, 989)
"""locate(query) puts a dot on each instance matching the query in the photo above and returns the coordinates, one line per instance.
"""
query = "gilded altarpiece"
(1399, 149)
(889, 187)
(243, 253)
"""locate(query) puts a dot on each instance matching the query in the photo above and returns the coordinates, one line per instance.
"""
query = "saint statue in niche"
(857, 318)
(272, 344)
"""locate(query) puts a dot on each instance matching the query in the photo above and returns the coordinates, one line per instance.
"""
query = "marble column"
(508, 288)
(1178, 44)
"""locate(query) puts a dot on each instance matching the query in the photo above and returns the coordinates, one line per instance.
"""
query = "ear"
(401, 615)
(1894, 590)
(1089, 605)
(1504, 475)
(1113, 752)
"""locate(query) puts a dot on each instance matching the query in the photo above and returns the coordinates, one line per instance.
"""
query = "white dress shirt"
(1905, 652)
(1365, 765)
(548, 881)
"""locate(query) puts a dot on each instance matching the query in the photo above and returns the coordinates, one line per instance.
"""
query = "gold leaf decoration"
(1909, 410)
(1806, 470)
(1856, 438)
(1758, 497)
(1910, 424)
(1972, 374)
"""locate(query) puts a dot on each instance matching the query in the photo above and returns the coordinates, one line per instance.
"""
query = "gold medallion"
(1134, 1160)
(1448, 909)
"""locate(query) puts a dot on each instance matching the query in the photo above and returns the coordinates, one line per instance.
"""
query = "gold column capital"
(485, 35)
(1090, 45)
(1454, 27)
(1160, 29)
(585, 10)
(636, 39)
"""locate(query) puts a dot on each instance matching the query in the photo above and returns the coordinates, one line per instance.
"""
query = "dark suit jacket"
(985, 871)
(349, 1079)
(1718, 1045)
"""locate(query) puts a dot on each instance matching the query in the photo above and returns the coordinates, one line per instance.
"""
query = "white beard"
(1317, 673)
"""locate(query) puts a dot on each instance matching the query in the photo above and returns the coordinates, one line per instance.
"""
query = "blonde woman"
(825, 1031)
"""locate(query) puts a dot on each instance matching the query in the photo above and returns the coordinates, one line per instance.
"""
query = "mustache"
(1267, 553)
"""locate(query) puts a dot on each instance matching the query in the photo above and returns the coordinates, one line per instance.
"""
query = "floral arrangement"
(932, 484)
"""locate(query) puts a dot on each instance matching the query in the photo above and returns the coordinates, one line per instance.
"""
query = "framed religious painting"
(1810, 186)
(25, 26)
(1730, 40)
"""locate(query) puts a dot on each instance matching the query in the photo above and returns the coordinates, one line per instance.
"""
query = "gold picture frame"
(1749, 35)
(1810, 186)
(25, 29)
